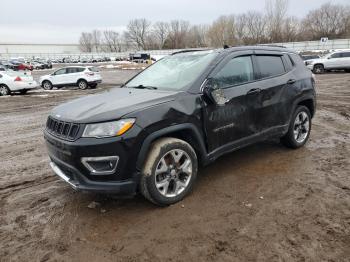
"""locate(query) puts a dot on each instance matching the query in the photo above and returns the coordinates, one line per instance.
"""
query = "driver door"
(226, 124)
(59, 77)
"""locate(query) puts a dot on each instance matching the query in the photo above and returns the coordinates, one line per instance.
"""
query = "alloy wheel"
(301, 127)
(173, 173)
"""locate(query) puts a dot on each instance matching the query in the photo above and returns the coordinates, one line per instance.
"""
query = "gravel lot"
(262, 203)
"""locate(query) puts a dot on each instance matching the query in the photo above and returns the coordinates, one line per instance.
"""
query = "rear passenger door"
(346, 59)
(266, 98)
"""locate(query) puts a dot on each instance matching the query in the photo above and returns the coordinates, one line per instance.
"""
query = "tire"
(169, 172)
(82, 84)
(47, 85)
(93, 86)
(23, 92)
(4, 90)
(347, 70)
(319, 69)
(299, 128)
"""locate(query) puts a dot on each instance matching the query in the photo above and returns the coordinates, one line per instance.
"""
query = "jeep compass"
(183, 112)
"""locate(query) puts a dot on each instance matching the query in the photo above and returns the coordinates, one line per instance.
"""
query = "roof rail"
(189, 50)
(272, 45)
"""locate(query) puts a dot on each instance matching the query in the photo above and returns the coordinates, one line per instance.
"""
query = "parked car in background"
(81, 76)
(37, 65)
(11, 81)
(310, 57)
(19, 65)
(186, 110)
(339, 60)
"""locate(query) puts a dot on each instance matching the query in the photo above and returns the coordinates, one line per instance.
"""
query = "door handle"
(254, 91)
(291, 81)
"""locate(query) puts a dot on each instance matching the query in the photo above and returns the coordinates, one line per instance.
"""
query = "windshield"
(173, 72)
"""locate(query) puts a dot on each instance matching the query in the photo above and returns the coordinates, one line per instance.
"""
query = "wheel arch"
(82, 79)
(186, 132)
(309, 103)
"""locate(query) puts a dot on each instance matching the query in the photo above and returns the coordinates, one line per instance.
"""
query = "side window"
(270, 66)
(80, 69)
(345, 55)
(237, 71)
(336, 55)
(61, 71)
(288, 62)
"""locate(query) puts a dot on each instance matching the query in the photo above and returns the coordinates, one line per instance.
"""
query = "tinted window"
(345, 54)
(336, 55)
(61, 71)
(296, 59)
(71, 70)
(93, 69)
(237, 71)
(288, 62)
(270, 65)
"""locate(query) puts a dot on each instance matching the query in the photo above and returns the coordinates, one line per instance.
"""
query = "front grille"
(62, 129)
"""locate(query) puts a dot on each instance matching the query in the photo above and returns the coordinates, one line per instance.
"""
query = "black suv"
(182, 112)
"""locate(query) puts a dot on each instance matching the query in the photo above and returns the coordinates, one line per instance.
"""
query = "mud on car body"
(183, 112)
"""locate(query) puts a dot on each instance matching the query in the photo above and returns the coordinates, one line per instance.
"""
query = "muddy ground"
(262, 203)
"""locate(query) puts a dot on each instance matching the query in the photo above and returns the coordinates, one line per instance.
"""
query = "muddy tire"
(299, 128)
(169, 172)
(47, 85)
(319, 69)
(4, 90)
(82, 84)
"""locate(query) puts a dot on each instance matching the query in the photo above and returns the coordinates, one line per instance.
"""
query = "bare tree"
(197, 36)
(251, 28)
(328, 21)
(177, 34)
(161, 31)
(86, 42)
(222, 31)
(112, 41)
(276, 11)
(137, 31)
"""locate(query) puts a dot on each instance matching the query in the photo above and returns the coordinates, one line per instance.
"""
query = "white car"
(81, 76)
(339, 60)
(13, 81)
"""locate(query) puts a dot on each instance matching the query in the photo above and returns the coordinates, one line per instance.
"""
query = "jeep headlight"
(108, 129)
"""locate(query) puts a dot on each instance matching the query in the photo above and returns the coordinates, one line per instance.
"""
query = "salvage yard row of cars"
(21, 81)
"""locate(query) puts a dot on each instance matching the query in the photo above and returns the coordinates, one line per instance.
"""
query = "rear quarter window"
(296, 59)
(93, 69)
(270, 66)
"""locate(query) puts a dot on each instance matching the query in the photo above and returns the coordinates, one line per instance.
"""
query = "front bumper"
(79, 182)
(67, 162)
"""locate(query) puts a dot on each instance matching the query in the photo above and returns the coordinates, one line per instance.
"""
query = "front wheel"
(299, 128)
(169, 172)
(82, 84)
(319, 69)
(93, 86)
(47, 85)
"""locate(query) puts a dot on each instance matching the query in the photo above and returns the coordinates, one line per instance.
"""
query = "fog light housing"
(105, 165)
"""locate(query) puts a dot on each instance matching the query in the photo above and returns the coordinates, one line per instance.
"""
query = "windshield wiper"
(145, 87)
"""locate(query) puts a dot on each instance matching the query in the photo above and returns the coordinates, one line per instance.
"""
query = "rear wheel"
(319, 69)
(23, 92)
(47, 85)
(93, 86)
(4, 90)
(170, 171)
(82, 84)
(347, 70)
(299, 128)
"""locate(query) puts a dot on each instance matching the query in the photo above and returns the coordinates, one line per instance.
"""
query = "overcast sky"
(62, 21)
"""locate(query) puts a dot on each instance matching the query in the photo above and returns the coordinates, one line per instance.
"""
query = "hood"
(110, 105)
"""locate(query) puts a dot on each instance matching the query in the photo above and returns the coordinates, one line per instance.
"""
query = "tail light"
(18, 78)
(89, 73)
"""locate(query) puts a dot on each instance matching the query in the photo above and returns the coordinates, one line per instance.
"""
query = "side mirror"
(214, 93)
